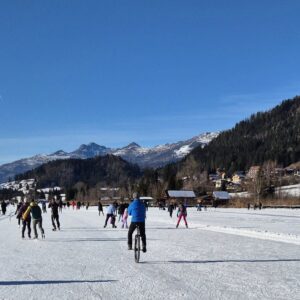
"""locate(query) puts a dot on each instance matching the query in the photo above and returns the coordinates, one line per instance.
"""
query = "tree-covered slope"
(110, 170)
(272, 135)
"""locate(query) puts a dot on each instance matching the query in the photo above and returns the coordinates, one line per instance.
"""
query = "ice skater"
(124, 218)
(170, 209)
(24, 213)
(110, 213)
(36, 214)
(54, 214)
(100, 208)
(182, 213)
(3, 207)
(19, 217)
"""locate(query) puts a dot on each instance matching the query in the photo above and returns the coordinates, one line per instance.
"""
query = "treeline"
(107, 170)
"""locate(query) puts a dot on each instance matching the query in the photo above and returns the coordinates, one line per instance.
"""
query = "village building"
(214, 177)
(188, 198)
(253, 172)
(238, 177)
(148, 200)
(220, 183)
(220, 198)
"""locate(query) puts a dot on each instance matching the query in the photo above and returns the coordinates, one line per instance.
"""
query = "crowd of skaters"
(29, 213)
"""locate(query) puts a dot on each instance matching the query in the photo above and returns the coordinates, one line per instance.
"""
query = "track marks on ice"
(263, 235)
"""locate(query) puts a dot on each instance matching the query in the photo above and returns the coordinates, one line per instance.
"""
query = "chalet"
(289, 171)
(220, 198)
(180, 196)
(148, 200)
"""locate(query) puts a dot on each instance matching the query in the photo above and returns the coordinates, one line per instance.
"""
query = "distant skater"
(121, 210)
(110, 214)
(124, 218)
(182, 213)
(170, 209)
(19, 217)
(100, 208)
(44, 207)
(54, 214)
(199, 207)
(3, 207)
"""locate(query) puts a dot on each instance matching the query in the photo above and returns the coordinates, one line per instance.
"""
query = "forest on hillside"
(265, 136)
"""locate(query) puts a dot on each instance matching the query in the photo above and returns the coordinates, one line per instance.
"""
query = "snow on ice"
(225, 254)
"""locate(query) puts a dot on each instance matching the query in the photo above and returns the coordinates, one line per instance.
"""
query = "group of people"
(114, 210)
(77, 204)
(29, 210)
(255, 206)
(181, 213)
(136, 209)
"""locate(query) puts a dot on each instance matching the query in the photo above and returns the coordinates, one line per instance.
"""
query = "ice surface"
(225, 254)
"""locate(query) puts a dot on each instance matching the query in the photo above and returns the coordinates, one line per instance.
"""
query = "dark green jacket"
(35, 211)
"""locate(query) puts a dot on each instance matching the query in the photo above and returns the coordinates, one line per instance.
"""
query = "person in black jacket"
(100, 208)
(54, 214)
(26, 222)
(19, 205)
(3, 207)
(170, 209)
(121, 210)
(36, 214)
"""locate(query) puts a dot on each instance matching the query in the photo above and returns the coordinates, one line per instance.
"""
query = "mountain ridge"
(153, 157)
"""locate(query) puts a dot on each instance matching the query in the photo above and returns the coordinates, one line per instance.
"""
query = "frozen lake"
(225, 254)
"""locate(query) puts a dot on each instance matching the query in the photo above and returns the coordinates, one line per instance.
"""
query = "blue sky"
(113, 72)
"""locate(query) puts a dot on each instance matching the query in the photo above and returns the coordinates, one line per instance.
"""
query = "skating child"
(124, 218)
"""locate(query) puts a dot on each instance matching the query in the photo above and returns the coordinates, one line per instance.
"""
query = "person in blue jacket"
(137, 211)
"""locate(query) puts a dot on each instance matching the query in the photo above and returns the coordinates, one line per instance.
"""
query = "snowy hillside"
(144, 157)
(24, 186)
(225, 254)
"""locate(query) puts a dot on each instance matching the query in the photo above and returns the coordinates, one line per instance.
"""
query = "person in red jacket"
(182, 213)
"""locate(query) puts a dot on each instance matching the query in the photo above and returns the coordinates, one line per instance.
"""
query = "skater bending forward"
(182, 213)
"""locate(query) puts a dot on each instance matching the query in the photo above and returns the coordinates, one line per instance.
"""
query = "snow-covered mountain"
(134, 153)
(163, 154)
